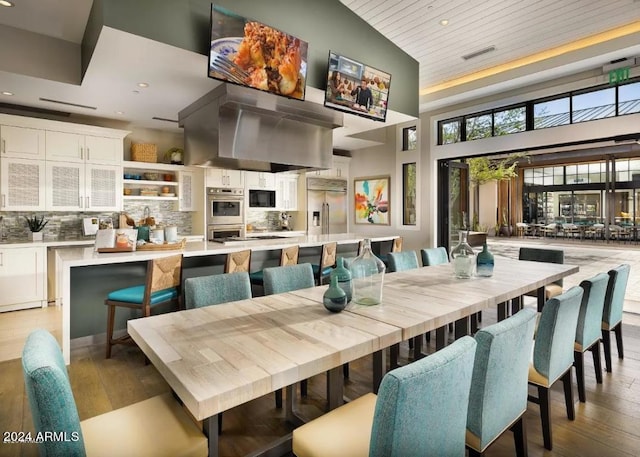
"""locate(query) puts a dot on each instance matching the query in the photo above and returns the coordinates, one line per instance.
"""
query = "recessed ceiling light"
(4, 92)
(119, 112)
(444, 22)
(143, 85)
(6, 3)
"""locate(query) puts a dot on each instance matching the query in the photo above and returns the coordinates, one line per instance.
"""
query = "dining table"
(217, 357)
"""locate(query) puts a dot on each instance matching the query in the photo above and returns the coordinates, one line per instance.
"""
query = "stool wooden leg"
(578, 362)
(110, 322)
(568, 395)
(606, 343)
(618, 331)
(545, 407)
(519, 430)
(595, 350)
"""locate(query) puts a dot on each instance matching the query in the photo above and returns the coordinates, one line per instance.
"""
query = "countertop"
(88, 241)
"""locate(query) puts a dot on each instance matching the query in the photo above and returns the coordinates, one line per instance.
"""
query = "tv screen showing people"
(356, 88)
(252, 54)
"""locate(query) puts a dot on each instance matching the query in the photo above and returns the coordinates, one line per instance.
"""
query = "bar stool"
(238, 262)
(288, 256)
(327, 262)
(162, 286)
(396, 246)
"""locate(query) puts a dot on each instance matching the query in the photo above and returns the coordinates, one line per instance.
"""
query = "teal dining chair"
(612, 314)
(419, 410)
(434, 256)
(215, 289)
(498, 397)
(288, 256)
(588, 330)
(157, 426)
(400, 261)
(553, 354)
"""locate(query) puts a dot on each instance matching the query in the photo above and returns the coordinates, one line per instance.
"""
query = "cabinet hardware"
(80, 201)
(87, 203)
(1, 259)
(81, 153)
(88, 151)
(4, 200)
(4, 146)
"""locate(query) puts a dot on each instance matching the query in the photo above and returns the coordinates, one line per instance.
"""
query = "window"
(409, 138)
(479, 126)
(629, 98)
(551, 113)
(450, 131)
(597, 104)
(509, 121)
(409, 193)
(622, 170)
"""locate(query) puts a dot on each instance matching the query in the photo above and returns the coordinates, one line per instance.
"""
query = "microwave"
(262, 198)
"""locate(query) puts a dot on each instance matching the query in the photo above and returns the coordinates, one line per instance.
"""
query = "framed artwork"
(371, 200)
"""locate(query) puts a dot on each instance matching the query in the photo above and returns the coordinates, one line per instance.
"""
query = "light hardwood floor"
(607, 425)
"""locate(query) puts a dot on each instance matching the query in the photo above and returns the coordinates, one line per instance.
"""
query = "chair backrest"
(238, 261)
(420, 410)
(328, 256)
(278, 280)
(53, 407)
(553, 348)
(289, 256)
(500, 373)
(434, 256)
(591, 308)
(400, 261)
(163, 273)
(215, 289)
(614, 299)
(397, 245)
(542, 255)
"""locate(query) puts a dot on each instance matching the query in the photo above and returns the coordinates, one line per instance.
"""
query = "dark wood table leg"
(502, 311)
(335, 383)
(440, 338)
(417, 348)
(394, 354)
(540, 299)
(474, 323)
(210, 429)
(379, 366)
(461, 327)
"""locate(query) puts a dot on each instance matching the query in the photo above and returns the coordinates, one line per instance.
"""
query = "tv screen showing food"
(356, 88)
(252, 54)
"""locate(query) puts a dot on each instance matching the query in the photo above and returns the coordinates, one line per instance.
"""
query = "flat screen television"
(356, 88)
(252, 54)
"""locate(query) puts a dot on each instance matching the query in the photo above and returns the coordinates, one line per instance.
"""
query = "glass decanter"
(367, 272)
(463, 258)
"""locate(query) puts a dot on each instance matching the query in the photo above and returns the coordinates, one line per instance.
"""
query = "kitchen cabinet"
(22, 142)
(73, 147)
(82, 187)
(186, 187)
(287, 192)
(151, 181)
(219, 177)
(22, 184)
(259, 180)
(339, 169)
(23, 277)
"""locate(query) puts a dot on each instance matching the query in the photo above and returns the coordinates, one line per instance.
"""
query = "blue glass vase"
(334, 298)
(484, 262)
(344, 278)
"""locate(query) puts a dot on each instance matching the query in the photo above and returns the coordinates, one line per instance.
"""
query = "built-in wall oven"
(220, 232)
(225, 212)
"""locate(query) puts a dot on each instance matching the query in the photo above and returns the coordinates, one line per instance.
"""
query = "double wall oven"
(225, 212)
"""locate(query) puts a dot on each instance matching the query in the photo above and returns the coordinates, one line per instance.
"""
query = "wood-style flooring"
(607, 425)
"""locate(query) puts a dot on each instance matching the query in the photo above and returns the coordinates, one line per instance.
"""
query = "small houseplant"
(36, 224)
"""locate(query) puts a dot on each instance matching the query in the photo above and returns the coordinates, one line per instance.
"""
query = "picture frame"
(372, 200)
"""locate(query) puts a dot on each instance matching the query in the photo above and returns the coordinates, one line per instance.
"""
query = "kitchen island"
(86, 277)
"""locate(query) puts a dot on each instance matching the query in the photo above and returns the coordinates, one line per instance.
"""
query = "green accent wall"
(324, 24)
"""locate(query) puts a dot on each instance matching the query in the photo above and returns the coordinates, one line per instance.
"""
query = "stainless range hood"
(239, 128)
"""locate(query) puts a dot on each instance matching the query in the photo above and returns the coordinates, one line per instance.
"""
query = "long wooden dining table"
(218, 357)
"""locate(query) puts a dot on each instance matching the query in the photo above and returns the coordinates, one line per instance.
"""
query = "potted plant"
(174, 155)
(36, 224)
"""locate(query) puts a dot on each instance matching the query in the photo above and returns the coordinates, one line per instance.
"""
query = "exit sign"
(618, 75)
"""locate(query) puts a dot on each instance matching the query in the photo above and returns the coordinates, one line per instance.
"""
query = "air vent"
(21, 109)
(156, 118)
(67, 103)
(478, 53)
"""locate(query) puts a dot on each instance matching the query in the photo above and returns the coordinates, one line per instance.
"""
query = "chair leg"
(545, 416)
(595, 351)
(279, 398)
(606, 344)
(618, 331)
(578, 362)
(519, 430)
(110, 322)
(568, 395)
(474, 453)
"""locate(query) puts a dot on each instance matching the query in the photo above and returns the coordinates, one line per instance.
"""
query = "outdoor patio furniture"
(550, 230)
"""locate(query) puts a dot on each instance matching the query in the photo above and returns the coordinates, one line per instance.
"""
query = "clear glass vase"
(367, 272)
(463, 258)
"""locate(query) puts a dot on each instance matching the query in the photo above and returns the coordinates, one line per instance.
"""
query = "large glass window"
(597, 104)
(509, 121)
(629, 98)
(622, 170)
(478, 126)
(551, 113)
(450, 131)
(409, 193)
(409, 138)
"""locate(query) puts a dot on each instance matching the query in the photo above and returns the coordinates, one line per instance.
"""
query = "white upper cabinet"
(22, 184)
(83, 187)
(187, 188)
(259, 180)
(287, 192)
(103, 187)
(220, 177)
(22, 142)
(339, 169)
(73, 147)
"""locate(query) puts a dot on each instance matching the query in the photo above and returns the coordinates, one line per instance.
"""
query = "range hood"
(236, 127)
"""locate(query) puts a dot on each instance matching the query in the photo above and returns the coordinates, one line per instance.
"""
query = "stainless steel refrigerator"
(326, 206)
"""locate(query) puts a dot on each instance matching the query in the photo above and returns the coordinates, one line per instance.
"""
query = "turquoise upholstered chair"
(420, 409)
(588, 330)
(612, 314)
(278, 280)
(553, 354)
(215, 289)
(498, 398)
(400, 261)
(434, 256)
(157, 426)
(288, 256)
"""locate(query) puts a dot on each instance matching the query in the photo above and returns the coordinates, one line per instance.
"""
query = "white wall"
(488, 204)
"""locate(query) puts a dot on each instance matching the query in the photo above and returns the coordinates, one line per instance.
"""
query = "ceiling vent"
(67, 103)
(620, 63)
(479, 53)
(156, 118)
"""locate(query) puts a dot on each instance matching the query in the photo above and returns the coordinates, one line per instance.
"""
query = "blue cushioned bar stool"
(498, 398)
(162, 286)
(396, 246)
(157, 426)
(323, 269)
(418, 411)
(612, 314)
(215, 289)
(588, 330)
(288, 256)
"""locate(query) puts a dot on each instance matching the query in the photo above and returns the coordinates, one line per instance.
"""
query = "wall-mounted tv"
(252, 54)
(356, 88)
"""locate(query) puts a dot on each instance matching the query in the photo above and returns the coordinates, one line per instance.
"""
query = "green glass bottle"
(334, 298)
(344, 278)
(484, 262)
